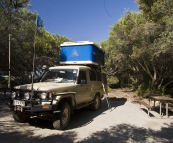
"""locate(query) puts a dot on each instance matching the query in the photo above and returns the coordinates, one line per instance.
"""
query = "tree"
(141, 45)
(21, 26)
(9, 14)
(156, 10)
(119, 46)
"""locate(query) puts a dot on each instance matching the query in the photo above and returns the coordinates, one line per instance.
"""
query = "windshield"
(60, 75)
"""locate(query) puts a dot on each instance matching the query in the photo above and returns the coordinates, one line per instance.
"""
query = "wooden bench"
(170, 104)
(146, 105)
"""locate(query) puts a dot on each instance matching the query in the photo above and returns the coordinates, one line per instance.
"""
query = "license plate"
(18, 102)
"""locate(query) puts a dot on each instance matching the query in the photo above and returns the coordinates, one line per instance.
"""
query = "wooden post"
(160, 109)
(33, 64)
(9, 73)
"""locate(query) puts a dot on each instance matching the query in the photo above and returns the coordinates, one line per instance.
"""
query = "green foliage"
(142, 89)
(109, 89)
(112, 79)
(4, 82)
(145, 89)
(140, 46)
(17, 21)
(156, 10)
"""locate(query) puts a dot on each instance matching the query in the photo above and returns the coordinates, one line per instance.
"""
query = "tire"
(97, 102)
(19, 117)
(61, 119)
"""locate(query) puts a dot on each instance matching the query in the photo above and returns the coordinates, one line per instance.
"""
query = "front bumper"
(30, 107)
(34, 108)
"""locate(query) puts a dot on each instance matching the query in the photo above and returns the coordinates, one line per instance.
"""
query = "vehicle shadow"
(84, 116)
(81, 117)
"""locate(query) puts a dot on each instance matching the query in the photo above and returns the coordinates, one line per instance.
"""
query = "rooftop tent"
(83, 52)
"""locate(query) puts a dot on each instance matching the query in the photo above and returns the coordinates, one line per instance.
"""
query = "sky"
(81, 20)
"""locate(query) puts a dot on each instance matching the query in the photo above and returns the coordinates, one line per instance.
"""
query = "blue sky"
(81, 20)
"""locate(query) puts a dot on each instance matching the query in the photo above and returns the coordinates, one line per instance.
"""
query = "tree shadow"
(128, 133)
(28, 136)
(4, 109)
(115, 102)
(120, 133)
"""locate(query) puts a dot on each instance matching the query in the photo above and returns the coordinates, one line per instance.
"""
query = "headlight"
(26, 95)
(43, 95)
(13, 95)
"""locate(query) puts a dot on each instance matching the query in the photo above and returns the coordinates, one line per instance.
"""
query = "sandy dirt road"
(124, 123)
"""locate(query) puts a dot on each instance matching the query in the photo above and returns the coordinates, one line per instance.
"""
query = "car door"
(83, 87)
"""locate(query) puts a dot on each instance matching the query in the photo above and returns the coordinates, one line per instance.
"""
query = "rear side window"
(92, 75)
(99, 76)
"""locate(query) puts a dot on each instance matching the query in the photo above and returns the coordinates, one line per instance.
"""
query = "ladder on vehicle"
(107, 98)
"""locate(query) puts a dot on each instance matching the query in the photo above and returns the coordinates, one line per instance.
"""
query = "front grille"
(20, 94)
(36, 96)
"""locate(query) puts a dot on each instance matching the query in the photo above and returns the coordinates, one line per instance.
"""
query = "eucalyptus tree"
(48, 50)
(111, 66)
(46, 47)
(8, 23)
(20, 23)
(120, 45)
(156, 10)
(158, 31)
(140, 44)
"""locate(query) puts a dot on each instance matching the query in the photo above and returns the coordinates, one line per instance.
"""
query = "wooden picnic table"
(162, 99)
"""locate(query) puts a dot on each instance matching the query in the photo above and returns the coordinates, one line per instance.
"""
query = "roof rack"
(78, 43)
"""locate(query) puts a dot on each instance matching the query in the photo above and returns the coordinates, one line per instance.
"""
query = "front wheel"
(19, 117)
(61, 119)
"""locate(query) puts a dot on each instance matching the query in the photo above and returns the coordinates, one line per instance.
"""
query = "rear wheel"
(61, 119)
(19, 117)
(96, 105)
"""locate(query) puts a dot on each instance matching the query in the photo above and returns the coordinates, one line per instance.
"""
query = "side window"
(82, 77)
(92, 75)
(99, 76)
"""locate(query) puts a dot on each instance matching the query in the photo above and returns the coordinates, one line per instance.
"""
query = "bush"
(144, 88)
(141, 90)
(113, 82)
